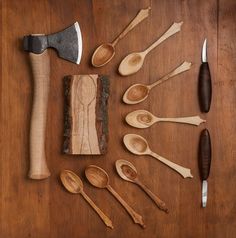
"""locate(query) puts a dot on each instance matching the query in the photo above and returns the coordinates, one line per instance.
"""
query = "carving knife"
(204, 162)
(204, 82)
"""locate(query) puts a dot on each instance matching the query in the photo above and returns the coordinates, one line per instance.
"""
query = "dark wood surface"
(40, 209)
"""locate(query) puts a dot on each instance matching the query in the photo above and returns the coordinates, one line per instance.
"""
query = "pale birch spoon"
(128, 172)
(105, 52)
(145, 119)
(133, 62)
(100, 179)
(73, 184)
(138, 145)
(139, 92)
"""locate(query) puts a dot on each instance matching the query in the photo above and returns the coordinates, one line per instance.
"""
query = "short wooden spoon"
(128, 172)
(73, 184)
(100, 179)
(138, 145)
(144, 119)
(139, 92)
(133, 62)
(105, 52)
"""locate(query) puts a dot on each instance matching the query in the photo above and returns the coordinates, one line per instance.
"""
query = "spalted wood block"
(86, 114)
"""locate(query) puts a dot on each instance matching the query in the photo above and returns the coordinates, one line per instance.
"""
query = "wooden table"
(40, 209)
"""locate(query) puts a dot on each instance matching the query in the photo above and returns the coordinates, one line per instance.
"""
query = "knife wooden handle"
(41, 70)
(204, 154)
(204, 87)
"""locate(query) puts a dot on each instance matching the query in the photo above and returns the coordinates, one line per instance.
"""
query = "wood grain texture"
(43, 208)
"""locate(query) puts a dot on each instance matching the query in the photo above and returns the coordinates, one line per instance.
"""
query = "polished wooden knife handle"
(204, 154)
(204, 87)
(41, 71)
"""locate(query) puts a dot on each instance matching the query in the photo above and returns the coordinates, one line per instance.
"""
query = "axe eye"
(35, 43)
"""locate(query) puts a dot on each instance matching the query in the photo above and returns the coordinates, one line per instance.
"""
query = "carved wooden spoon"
(139, 92)
(100, 179)
(73, 184)
(105, 52)
(133, 62)
(138, 145)
(128, 172)
(144, 119)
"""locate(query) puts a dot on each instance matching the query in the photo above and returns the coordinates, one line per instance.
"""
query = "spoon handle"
(105, 219)
(185, 172)
(143, 13)
(135, 216)
(195, 120)
(175, 27)
(161, 205)
(180, 69)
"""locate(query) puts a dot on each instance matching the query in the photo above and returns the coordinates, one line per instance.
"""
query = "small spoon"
(138, 145)
(128, 172)
(105, 52)
(100, 179)
(139, 92)
(144, 119)
(133, 62)
(73, 184)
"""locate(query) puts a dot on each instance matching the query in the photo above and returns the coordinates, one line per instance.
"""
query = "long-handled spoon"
(133, 62)
(139, 92)
(100, 179)
(73, 184)
(144, 119)
(105, 52)
(128, 172)
(138, 145)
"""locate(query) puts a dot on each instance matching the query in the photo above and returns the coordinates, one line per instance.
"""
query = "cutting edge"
(204, 193)
(79, 35)
(204, 51)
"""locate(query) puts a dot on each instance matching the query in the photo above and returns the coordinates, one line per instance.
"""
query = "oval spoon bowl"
(126, 170)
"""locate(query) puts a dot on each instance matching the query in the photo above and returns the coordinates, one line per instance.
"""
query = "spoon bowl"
(126, 170)
(140, 119)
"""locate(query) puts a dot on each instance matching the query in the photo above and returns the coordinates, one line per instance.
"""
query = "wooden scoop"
(105, 52)
(144, 119)
(73, 184)
(138, 145)
(128, 172)
(100, 179)
(139, 92)
(133, 62)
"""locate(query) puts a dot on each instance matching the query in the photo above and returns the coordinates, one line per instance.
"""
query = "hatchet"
(68, 44)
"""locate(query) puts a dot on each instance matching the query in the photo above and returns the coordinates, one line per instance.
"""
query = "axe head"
(68, 43)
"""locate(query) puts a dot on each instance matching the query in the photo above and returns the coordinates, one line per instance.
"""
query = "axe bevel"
(68, 44)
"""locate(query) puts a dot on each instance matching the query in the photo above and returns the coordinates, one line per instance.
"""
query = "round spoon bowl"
(140, 119)
(126, 170)
(97, 176)
(103, 54)
(136, 93)
(71, 181)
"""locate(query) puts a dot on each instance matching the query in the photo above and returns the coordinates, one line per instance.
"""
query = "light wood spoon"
(133, 62)
(105, 52)
(138, 145)
(73, 184)
(144, 119)
(128, 172)
(139, 92)
(100, 179)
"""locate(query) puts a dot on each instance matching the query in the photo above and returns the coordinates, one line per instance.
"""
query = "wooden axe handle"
(41, 71)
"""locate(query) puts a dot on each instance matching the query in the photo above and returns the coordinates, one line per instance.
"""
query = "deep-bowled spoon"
(133, 62)
(139, 92)
(145, 119)
(100, 179)
(138, 145)
(128, 172)
(73, 184)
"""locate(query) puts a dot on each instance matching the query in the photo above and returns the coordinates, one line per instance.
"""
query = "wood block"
(86, 114)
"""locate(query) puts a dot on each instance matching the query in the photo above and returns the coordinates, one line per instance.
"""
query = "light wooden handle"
(104, 218)
(41, 71)
(185, 172)
(196, 120)
(161, 205)
(175, 27)
(143, 13)
(135, 216)
(180, 69)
